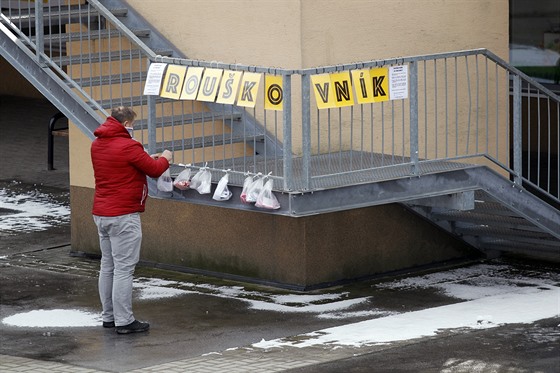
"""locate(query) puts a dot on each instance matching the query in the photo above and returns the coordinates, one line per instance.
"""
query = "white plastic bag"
(246, 184)
(203, 181)
(222, 192)
(254, 189)
(182, 180)
(267, 199)
(164, 182)
(195, 181)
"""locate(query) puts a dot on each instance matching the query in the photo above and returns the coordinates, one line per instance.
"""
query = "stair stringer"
(539, 217)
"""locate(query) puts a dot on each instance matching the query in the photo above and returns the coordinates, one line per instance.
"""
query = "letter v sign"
(323, 91)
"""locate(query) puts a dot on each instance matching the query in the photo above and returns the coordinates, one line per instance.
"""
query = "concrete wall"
(302, 252)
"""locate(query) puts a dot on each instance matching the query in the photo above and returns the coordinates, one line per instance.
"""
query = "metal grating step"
(131, 101)
(105, 57)
(60, 16)
(60, 39)
(518, 247)
(486, 233)
(189, 119)
(111, 79)
(207, 141)
(478, 218)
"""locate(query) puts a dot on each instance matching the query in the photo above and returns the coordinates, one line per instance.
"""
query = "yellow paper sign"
(342, 89)
(379, 80)
(192, 82)
(173, 81)
(209, 85)
(249, 89)
(228, 87)
(323, 91)
(274, 92)
(362, 85)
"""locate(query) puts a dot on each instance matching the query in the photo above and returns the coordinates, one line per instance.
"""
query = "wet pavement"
(204, 324)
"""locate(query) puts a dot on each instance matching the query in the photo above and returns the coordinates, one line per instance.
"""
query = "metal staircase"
(465, 168)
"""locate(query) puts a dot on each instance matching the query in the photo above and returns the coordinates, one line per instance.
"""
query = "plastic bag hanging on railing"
(222, 192)
(266, 198)
(196, 181)
(202, 181)
(182, 181)
(165, 182)
(246, 184)
(255, 188)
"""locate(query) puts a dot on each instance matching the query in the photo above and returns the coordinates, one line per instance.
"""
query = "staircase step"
(207, 141)
(512, 246)
(111, 79)
(105, 57)
(61, 39)
(131, 101)
(60, 16)
(487, 233)
(479, 218)
(188, 119)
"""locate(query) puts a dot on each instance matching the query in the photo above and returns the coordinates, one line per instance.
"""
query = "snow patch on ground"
(53, 318)
(29, 212)
(497, 310)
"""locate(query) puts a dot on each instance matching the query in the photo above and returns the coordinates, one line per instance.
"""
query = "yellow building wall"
(298, 34)
(308, 33)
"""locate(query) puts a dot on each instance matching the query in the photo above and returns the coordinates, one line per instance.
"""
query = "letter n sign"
(342, 89)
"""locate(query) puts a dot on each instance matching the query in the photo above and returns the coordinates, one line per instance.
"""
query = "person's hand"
(167, 155)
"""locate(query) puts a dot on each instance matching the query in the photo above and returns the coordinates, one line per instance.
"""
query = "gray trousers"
(120, 238)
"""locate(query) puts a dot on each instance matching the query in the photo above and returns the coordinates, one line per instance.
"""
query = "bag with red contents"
(182, 180)
(246, 183)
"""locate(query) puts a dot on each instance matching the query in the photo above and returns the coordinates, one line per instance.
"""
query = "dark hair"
(123, 114)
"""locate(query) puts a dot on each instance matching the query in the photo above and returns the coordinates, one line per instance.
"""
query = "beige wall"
(308, 33)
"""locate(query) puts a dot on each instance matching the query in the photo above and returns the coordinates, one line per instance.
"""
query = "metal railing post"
(517, 140)
(287, 132)
(306, 129)
(151, 122)
(39, 36)
(413, 71)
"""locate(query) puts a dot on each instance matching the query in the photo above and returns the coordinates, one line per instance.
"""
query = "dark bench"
(54, 131)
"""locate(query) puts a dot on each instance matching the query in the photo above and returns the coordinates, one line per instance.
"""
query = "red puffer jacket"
(120, 166)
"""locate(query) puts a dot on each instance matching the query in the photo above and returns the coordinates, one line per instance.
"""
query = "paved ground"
(208, 330)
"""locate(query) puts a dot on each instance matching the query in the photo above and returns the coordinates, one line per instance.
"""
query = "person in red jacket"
(120, 166)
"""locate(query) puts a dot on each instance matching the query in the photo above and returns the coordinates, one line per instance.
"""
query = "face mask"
(130, 131)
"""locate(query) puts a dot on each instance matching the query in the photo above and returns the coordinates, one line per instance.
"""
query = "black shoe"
(134, 327)
(108, 324)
